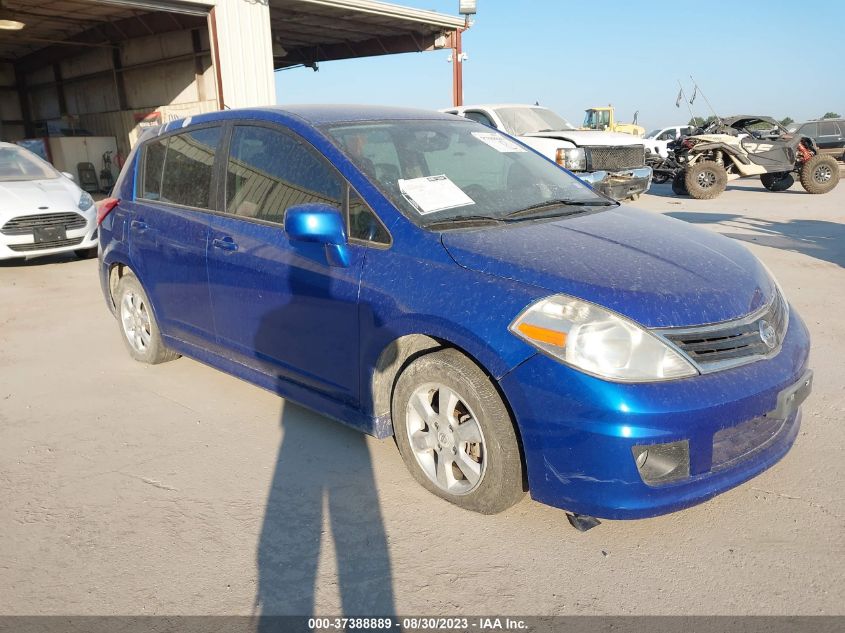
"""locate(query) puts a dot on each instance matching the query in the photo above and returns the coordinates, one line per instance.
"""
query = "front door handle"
(225, 244)
(139, 225)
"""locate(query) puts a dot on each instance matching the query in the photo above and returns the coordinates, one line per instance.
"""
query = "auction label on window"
(433, 193)
(498, 142)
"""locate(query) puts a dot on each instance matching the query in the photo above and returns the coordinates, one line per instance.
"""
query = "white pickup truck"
(613, 163)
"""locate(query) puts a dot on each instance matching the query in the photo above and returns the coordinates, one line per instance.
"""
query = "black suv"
(829, 135)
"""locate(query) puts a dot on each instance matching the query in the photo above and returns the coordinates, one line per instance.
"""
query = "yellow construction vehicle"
(603, 118)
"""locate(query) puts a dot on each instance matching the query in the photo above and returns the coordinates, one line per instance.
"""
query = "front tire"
(679, 187)
(820, 174)
(780, 181)
(455, 434)
(705, 179)
(137, 323)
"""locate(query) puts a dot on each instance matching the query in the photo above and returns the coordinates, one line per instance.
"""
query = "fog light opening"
(662, 463)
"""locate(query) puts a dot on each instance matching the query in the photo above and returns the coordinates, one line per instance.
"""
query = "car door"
(830, 139)
(168, 230)
(279, 307)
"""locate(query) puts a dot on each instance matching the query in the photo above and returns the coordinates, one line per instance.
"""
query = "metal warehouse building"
(109, 67)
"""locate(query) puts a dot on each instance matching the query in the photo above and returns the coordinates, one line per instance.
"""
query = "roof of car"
(730, 120)
(322, 114)
(494, 106)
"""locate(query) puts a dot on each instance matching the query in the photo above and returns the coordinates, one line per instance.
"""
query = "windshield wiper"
(560, 202)
(463, 219)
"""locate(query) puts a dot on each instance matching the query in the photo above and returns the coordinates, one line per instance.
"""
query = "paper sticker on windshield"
(433, 193)
(498, 142)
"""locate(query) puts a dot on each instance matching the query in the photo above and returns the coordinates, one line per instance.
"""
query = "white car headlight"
(598, 341)
(85, 201)
(572, 158)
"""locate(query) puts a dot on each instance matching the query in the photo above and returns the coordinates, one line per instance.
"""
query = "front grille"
(737, 443)
(43, 246)
(733, 342)
(24, 224)
(615, 158)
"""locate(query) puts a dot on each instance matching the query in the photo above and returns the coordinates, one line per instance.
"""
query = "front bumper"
(619, 185)
(579, 432)
(17, 246)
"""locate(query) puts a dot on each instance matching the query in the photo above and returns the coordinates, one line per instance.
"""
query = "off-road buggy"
(735, 147)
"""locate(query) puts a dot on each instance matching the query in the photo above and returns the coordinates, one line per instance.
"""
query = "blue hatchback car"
(414, 274)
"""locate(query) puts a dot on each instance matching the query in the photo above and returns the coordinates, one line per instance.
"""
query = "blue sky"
(748, 56)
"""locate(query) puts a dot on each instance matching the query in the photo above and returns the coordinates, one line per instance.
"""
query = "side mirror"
(68, 175)
(319, 223)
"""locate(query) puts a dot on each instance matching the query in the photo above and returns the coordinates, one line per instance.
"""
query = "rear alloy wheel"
(705, 179)
(820, 174)
(138, 325)
(679, 187)
(780, 181)
(455, 434)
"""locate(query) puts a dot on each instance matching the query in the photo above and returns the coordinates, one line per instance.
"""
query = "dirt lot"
(127, 489)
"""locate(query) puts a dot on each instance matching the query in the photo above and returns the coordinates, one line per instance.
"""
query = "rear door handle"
(139, 225)
(225, 243)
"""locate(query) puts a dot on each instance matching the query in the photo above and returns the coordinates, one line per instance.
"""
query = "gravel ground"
(176, 489)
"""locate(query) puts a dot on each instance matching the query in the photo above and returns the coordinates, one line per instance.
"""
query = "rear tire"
(466, 453)
(679, 187)
(137, 323)
(780, 181)
(820, 174)
(86, 253)
(705, 179)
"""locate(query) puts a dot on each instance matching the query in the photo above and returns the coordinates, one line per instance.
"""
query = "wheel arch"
(402, 351)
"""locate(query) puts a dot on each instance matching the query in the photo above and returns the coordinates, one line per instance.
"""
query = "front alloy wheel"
(446, 438)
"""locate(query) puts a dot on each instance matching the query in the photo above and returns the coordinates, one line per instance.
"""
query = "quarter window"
(269, 171)
(363, 223)
(153, 165)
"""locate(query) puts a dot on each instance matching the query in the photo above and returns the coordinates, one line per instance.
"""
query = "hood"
(589, 137)
(21, 197)
(655, 270)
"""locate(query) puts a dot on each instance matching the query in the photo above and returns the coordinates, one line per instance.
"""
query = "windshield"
(436, 170)
(653, 134)
(597, 119)
(520, 121)
(19, 164)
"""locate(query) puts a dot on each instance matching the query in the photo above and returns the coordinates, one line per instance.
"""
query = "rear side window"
(479, 117)
(269, 171)
(828, 128)
(178, 169)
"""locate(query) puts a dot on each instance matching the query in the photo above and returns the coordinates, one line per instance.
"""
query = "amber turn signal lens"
(542, 334)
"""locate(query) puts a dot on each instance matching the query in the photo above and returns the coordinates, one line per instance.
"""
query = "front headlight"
(573, 158)
(85, 201)
(598, 341)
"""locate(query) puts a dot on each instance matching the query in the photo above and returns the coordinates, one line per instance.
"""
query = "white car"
(612, 162)
(42, 211)
(657, 141)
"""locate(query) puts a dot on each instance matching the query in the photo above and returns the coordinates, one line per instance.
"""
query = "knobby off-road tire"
(137, 324)
(455, 434)
(820, 174)
(705, 179)
(780, 181)
(679, 187)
